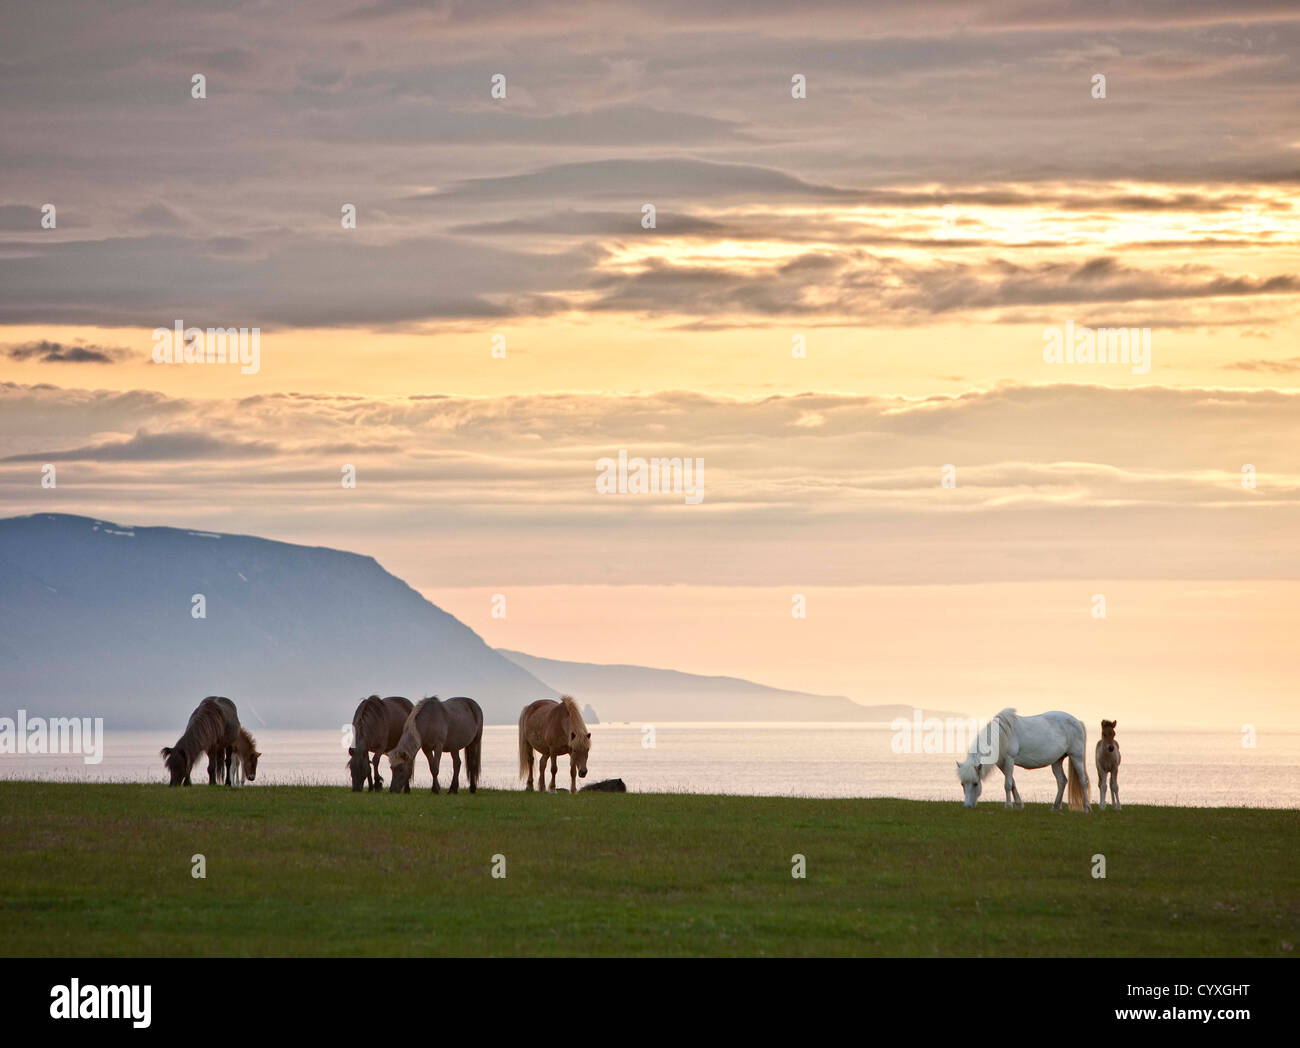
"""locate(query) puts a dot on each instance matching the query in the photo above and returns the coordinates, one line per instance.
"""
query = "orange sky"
(950, 192)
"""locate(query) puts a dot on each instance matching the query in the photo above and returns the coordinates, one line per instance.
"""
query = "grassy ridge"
(106, 870)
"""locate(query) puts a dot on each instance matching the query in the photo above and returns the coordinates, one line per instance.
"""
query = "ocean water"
(1205, 768)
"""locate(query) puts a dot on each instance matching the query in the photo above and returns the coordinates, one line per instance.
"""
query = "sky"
(871, 223)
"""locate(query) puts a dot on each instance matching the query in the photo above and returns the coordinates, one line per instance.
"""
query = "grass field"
(106, 870)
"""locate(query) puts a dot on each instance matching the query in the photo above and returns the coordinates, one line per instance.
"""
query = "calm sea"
(814, 760)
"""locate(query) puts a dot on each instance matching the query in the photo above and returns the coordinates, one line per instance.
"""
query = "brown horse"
(376, 728)
(1107, 757)
(244, 761)
(220, 756)
(212, 729)
(553, 729)
(435, 726)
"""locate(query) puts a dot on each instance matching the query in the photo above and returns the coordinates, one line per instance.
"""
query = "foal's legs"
(455, 772)
(1101, 781)
(555, 760)
(1114, 790)
(530, 769)
(435, 758)
(1059, 771)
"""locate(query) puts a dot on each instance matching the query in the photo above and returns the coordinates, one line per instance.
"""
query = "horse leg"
(1101, 781)
(435, 758)
(229, 753)
(1009, 770)
(455, 772)
(1114, 790)
(1058, 770)
(530, 769)
(372, 772)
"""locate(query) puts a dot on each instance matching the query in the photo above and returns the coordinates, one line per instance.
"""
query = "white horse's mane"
(990, 745)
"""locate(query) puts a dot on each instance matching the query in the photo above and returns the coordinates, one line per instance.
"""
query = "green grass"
(106, 870)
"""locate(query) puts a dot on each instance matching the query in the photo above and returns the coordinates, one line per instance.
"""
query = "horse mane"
(206, 725)
(576, 723)
(998, 729)
(410, 733)
(245, 743)
(370, 714)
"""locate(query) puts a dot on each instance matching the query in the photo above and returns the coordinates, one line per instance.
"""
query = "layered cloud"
(1043, 482)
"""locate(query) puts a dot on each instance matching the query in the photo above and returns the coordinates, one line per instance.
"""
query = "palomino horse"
(212, 729)
(1107, 757)
(435, 726)
(244, 761)
(553, 729)
(1031, 742)
(376, 728)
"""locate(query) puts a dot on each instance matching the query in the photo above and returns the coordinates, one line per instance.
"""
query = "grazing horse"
(219, 755)
(212, 729)
(1031, 742)
(376, 728)
(244, 761)
(553, 729)
(1107, 757)
(435, 726)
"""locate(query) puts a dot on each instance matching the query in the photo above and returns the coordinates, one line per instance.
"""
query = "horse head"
(579, 747)
(358, 765)
(176, 763)
(968, 774)
(402, 768)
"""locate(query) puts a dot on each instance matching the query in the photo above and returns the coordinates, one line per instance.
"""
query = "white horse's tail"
(1077, 797)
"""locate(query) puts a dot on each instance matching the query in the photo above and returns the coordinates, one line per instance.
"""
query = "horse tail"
(1077, 798)
(525, 750)
(473, 757)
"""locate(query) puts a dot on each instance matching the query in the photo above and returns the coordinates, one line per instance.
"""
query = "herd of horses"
(401, 730)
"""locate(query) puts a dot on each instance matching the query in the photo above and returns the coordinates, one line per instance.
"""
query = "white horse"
(1031, 742)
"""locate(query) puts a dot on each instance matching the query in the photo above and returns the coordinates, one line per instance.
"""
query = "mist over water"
(1204, 768)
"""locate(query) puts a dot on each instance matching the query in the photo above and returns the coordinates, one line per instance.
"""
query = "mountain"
(95, 620)
(639, 693)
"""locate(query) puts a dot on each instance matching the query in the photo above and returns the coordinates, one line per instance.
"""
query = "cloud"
(155, 447)
(48, 352)
(1289, 366)
(1063, 481)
